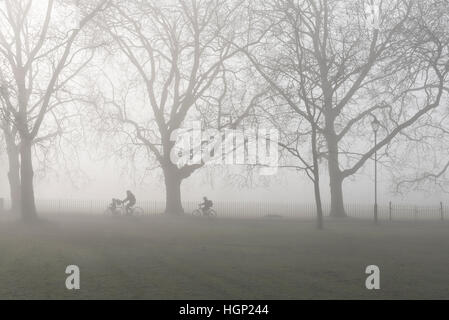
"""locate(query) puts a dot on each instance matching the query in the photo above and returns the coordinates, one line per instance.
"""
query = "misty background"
(103, 179)
(92, 93)
(101, 127)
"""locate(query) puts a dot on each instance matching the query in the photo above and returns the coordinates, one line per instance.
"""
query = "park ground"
(194, 258)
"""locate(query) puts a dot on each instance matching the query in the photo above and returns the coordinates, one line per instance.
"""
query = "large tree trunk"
(26, 177)
(319, 206)
(173, 203)
(335, 177)
(14, 178)
(336, 188)
(316, 180)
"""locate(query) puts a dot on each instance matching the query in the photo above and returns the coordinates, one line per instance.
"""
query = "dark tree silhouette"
(182, 52)
(38, 58)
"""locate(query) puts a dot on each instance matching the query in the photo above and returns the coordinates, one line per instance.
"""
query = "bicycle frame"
(119, 209)
(205, 212)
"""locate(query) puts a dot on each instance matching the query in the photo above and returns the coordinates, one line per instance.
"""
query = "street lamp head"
(375, 124)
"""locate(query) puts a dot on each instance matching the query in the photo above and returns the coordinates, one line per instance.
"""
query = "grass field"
(187, 258)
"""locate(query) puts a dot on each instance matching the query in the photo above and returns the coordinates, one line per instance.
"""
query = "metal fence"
(254, 209)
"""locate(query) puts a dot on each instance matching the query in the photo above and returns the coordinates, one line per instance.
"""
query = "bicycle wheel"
(137, 211)
(197, 213)
(212, 213)
(108, 212)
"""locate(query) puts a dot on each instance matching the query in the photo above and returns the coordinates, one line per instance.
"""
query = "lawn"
(193, 258)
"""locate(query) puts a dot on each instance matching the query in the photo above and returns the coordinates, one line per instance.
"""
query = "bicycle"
(117, 208)
(200, 212)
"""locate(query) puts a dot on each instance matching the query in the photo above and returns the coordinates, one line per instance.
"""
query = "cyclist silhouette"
(206, 205)
(131, 199)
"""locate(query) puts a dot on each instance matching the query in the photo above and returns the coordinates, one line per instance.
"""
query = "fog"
(224, 149)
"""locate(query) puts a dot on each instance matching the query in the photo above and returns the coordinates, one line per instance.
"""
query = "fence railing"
(253, 209)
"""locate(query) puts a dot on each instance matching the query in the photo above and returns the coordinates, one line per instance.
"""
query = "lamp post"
(375, 125)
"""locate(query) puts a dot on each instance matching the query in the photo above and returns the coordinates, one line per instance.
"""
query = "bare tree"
(419, 159)
(183, 54)
(294, 109)
(351, 66)
(300, 141)
(39, 59)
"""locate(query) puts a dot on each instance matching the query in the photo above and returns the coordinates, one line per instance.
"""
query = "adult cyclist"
(206, 206)
(130, 201)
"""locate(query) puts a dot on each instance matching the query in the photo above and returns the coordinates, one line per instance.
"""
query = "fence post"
(415, 213)
(389, 212)
(2, 205)
(442, 211)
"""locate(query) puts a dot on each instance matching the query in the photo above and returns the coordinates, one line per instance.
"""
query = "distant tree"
(300, 140)
(12, 150)
(40, 53)
(419, 159)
